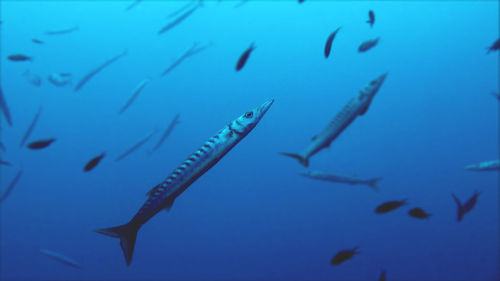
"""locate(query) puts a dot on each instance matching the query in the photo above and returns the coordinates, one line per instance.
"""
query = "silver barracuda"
(163, 195)
(493, 165)
(318, 175)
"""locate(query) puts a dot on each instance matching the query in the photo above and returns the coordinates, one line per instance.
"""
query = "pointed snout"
(265, 106)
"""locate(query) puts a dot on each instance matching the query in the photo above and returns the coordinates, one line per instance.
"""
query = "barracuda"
(163, 195)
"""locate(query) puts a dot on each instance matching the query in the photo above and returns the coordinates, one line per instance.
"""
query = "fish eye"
(373, 83)
(248, 114)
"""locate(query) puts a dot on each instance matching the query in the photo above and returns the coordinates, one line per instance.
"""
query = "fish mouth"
(265, 106)
(382, 77)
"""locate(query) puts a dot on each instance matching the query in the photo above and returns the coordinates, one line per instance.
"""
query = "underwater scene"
(249, 140)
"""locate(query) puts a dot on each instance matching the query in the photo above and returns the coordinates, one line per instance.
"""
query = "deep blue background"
(253, 216)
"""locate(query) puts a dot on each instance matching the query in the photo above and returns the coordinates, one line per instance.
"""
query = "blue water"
(252, 216)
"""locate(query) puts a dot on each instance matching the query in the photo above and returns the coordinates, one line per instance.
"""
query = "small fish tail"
(373, 183)
(460, 212)
(302, 160)
(127, 234)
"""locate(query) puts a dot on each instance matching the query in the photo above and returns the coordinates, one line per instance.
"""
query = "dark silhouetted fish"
(496, 95)
(2, 147)
(36, 41)
(244, 57)
(493, 165)
(182, 9)
(179, 19)
(5, 163)
(4, 108)
(382, 276)
(11, 186)
(372, 183)
(135, 93)
(301, 1)
(33, 79)
(190, 52)
(343, 256)
(30, 128)
(60, 258)
(467, 207)
(135, 147)
(329, 41)
(93, 162)
(164, 194)
(494, 47)
(371, 18)
(367, 45)
(418, 213)
(167, 132)
(133, 5)
(60, 79)
(19, 57)
(61, 31)
(40, 144)
(357, 106)
(390, 206)
(87, 77)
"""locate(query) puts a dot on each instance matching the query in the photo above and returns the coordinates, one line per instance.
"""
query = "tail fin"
(127, 234)
(302, 160)
(460, 213)
(373, 183)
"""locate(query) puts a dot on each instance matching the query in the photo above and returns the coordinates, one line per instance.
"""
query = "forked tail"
(127, 234)
(373, 183)
(460, 213)
(302, 160)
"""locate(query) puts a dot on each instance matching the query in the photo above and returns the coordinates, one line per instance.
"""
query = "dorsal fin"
(364, 110)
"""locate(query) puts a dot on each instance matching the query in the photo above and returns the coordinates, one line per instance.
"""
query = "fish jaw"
(246, 122)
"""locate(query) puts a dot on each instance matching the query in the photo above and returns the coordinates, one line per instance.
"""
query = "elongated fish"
(93, 162)
(19, 57)
(135, 93)
(494, 47)
(357, 106)
(30, 128)
(62, 31)
(368, 44)
(87, 77)
(60, 258)
(244, 57)
(163, 195)
(11, 186)
(318, 175)
(4, 108)
(41, 144)
(179, 19)
(167, 132)
(129, 7)
(329, 41)
(135, 147)
(181, 9)
(493, 165)
(5, 163)
(190, 52)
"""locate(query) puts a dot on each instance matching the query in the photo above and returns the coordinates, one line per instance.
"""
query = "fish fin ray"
(373, 183)
(300, 158)
(127, 234)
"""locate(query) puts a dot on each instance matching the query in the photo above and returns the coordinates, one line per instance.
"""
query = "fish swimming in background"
(33, 79)
(494, 47)
(390, 206)
(4, 108)
(382, 276)
(496, 95)
(11, 186)
(135, 93)
(60, 258)
(60, 79)
(135, 147)
(62, 31)
(190, 52)
(30, 128)
(167, 132)
(367, 45)
(129, 7)
(371, 18)
(467, 207)
(93, 162)
(36, 41)
(183, 8)
(240, 3)
(357, 106)
(493, 165)
(91, 74)
(418, 213)
(301, 1)
(353, 180)
(244, 57)
(40, 144)
(329, 41)
(180, 19)
(164, 194)
(5, 163)
(344, 256)
(19, 57)
(2, 147)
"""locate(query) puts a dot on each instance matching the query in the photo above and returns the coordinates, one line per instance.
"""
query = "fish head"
(246, 122)
(371, 89)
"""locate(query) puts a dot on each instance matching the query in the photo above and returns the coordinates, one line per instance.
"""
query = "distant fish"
(372, 183)
(344, 256)
(180, 19)
(4, 108)
(129, 7)
(60, 258)
(371, 18)
(36, 41)
(382, 276)
(190, 52)
(367, 45)
(244, 57)
(32, 78)
(87, 77)
(240, 3)
(301, 1)
(467, 207)
(30, 128)
(19, 57)
(390, 206)
(2, 147)
(61, 31)
(418, 213)
(93, 162)
(11, 186)
(182, 9)
(40, 144)
(356, 107)
(135, 146)
(496, 95)
(167, 132)
(60, 79)
(135, 93)
(493, 165)
(5, 163)
(494, 47)
(329, 41)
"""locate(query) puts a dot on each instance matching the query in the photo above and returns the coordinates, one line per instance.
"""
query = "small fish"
(181, 9)
(467, 207)
(91, 74)
(329, 42)
(34, 40)
(180, 19)
(241, 3)
(167, 132)
(60, 258)
(372, 183)
(60, 79)
(2, 147)
(11, 186)
(4, 108)
(19, 57)
(390, 206)
(382, 276)
(5, 163)
(93, 162)
(494, 47)
(496, 95)
(493, 165)
(190, 52)
(62, 31)
(135, 93)
(418, 213)
(30, 128)
(367, 45)
(301, 1)
(135, 147)
(244, 57)
(133, 5)
(371, 18)
(343, 256)
(33, 79)
(40, 144)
